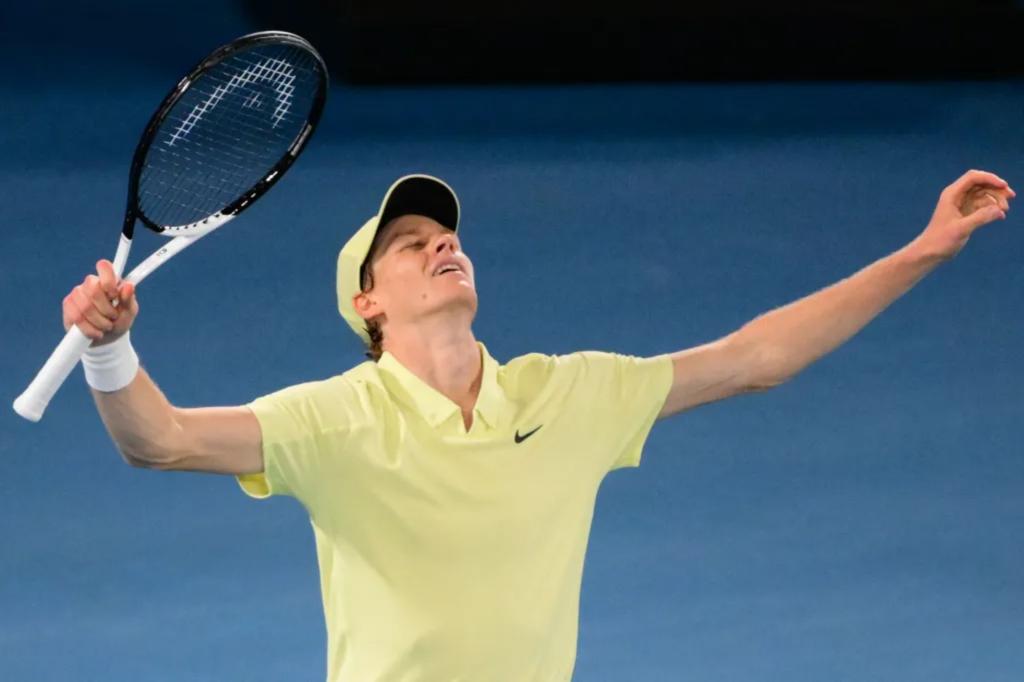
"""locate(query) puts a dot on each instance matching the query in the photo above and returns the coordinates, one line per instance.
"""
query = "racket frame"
(246, 198)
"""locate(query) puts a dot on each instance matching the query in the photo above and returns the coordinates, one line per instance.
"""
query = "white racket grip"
(33, 401)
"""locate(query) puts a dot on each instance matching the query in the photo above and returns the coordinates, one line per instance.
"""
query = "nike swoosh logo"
(520, 439)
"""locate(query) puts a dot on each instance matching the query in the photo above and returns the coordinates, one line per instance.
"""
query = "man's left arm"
(777, 345)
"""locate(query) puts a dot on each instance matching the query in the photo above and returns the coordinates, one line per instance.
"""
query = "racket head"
(226, 133)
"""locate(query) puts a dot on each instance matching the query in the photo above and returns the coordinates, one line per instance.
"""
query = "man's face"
(413, 273)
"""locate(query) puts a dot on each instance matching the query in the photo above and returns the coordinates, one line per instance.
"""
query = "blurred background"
(638, 181)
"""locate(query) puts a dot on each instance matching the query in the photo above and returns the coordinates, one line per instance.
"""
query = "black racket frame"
(273, 175)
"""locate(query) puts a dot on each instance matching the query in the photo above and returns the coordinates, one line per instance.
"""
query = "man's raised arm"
(777, 345)
(147, 429)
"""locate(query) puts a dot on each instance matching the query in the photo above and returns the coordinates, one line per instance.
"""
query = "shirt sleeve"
(623, 395)
(303, 427)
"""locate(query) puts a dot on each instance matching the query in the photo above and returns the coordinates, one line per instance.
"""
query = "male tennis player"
(451, 495)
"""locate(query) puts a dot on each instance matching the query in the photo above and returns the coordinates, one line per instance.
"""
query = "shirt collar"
(434, 406)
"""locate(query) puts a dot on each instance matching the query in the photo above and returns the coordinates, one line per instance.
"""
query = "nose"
(446, 241)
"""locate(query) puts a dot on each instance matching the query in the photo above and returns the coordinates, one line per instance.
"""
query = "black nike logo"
(520, 439)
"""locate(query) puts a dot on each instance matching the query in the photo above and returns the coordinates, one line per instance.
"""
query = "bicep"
(223, 440)
(711, 372)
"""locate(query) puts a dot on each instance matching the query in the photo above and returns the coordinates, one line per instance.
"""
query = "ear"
(366, 307)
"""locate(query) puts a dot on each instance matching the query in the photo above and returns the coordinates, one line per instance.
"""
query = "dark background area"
(408, 41)
(650, 40)
(859, 523)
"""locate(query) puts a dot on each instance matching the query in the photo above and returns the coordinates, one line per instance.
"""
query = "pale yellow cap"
(420, 194)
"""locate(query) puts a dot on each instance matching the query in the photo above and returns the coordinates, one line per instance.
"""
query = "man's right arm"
(149, 431)
(152, 433)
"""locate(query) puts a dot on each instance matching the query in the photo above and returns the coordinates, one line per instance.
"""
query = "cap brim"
(421, 195)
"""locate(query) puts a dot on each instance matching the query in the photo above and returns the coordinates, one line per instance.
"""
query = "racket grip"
(33, 401)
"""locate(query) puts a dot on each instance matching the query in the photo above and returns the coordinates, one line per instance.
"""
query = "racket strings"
(227, 131)
(247, 125)
(222, 165)
(239, 149)
(247, 115)
(274, 71)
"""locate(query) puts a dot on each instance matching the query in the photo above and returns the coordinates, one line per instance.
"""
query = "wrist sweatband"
(111, 367)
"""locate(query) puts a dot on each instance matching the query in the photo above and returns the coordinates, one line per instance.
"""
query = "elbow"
(133, 458)
(762, 383)
(139, 459)
(148, 458)
(162, 451)
(768, 370)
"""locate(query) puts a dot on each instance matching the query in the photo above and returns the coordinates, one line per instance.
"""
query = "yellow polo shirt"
(446, 554)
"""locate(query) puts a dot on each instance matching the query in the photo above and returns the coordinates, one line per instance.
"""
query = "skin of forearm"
(140, 420)
(792, 337)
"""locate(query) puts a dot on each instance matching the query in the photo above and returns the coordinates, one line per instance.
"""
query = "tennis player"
(451, 495)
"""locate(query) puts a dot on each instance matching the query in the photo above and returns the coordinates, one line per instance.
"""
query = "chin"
(463, 297)
(468, 298)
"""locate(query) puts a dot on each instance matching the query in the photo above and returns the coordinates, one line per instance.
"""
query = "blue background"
(861, 522)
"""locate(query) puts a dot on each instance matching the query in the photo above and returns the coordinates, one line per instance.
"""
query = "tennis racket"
(219, 140)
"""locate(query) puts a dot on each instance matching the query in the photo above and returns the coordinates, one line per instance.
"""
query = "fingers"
(128, 307)
(984, 208)
(997, 199)
(979, 198)
(979, 177)
(973, 178)
(983, 216)
(126, 292)
(108, 280)
(99, 296)
(79, 309)
(101, 304)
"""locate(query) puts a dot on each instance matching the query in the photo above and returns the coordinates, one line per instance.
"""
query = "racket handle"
(33, 401)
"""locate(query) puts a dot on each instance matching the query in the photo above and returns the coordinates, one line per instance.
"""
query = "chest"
(463, 483)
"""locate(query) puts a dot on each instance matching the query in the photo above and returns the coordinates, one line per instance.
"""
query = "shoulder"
(324, 399)
(539, 369)
(365, 374)
(541, 363)
(582, 365)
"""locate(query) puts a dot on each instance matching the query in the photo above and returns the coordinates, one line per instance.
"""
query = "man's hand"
(975, 199)
(91, 307)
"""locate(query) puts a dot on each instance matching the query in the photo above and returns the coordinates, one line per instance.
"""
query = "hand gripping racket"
(219, 140)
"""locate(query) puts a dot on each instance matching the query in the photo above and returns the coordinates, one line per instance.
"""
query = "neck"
(445, 358)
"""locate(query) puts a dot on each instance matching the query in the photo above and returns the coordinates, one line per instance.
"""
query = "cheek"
(409, 276)
(407, 279)
(405, 272)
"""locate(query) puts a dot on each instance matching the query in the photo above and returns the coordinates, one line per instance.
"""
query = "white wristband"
(111, 367)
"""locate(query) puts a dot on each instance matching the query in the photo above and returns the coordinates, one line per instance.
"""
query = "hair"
(376, 334)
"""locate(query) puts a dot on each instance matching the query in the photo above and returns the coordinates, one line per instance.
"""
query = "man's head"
(415, 273)
(392, 272)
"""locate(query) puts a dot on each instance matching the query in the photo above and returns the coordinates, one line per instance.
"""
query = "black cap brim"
(422, 195)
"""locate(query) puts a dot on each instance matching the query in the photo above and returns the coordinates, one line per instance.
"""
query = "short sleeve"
(302, 428)
(621, 396)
